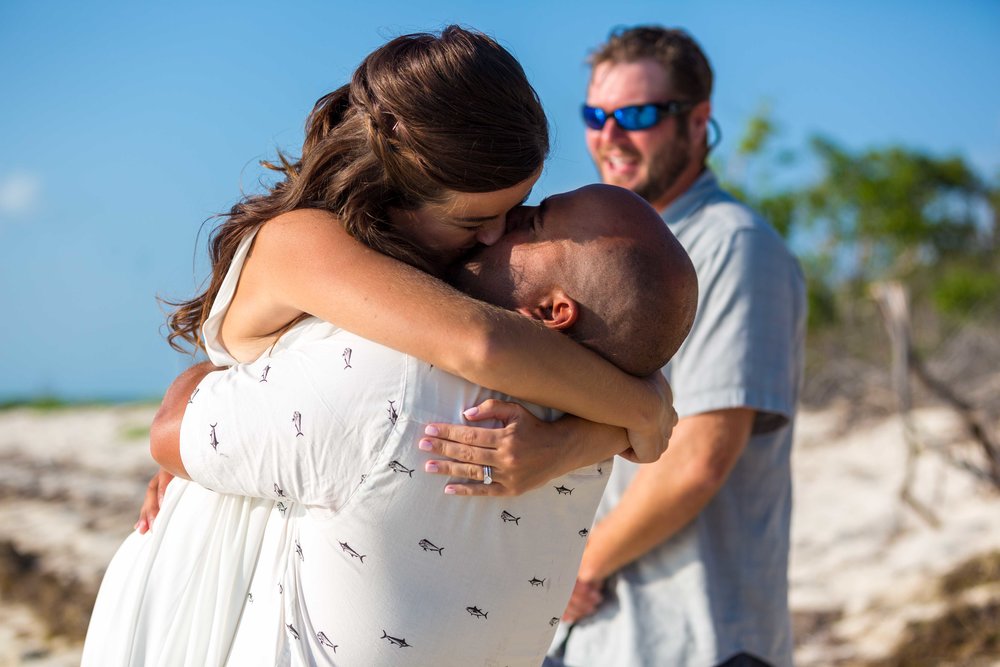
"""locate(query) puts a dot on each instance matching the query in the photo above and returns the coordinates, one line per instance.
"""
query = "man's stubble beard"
(665, 169)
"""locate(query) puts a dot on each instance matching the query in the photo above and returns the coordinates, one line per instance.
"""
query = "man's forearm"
(583, 443)
(165, 432)
(667, 495)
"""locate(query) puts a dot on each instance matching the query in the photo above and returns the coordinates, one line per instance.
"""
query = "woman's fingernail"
(471, 412)
(450, 490)
(430, 466)
(425, 445)
(430, 429)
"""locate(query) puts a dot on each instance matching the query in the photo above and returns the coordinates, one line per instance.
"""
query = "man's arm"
(666, 495)
(165, 432)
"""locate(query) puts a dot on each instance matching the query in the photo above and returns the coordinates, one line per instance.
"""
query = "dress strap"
(217, 352)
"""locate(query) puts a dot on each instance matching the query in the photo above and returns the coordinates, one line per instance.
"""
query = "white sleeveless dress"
(173, 596)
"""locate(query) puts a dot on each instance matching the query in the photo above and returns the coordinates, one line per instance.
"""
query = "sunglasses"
(635, 117)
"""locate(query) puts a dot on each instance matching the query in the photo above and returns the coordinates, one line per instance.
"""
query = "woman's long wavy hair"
(423, 115)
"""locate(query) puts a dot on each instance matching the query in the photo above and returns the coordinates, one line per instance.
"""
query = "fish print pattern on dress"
(427, 545)
(583, 532)
(347, 358)
(477, 612)
(507, 517)
(325, 641)
(213, 440)
(396, 466)
(554, 621)
(292, 631)
(396, 641)
(535, 581)
(298, 550)
(354, 554)
(282, 507)
(278, 491)
(563, 491)
(263, 375)
(393, 414)
(297, 422)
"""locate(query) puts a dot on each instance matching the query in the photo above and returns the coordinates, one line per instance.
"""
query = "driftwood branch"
(893, 304)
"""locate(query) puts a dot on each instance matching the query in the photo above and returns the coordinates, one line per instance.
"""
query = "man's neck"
(686, 180)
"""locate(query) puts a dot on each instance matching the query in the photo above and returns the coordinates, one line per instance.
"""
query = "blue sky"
(126, 124)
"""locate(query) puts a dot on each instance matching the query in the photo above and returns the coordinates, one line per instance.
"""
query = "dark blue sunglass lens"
(639, 117)
(594, 118)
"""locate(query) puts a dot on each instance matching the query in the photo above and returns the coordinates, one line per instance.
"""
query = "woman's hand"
(524, 453)
(648, 444)
(154, 498)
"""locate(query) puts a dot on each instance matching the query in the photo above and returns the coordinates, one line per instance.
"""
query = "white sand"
(71, 482)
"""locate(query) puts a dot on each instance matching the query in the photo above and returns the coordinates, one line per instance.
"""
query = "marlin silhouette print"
(347, 357)
(427, 545)
(399, 467)
(278, 491)
(401, 643)
(508, 517)
(212, 438)
(563, 491)
(263, 375)
(393, 415)
(535, 581)
(354, 554)
(477, 612)
(281, 508)
(298, 550)
(583, 532)
(325, 641)
(292, 631)
(297, 422)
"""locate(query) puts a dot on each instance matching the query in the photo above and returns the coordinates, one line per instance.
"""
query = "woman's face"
(448, 229)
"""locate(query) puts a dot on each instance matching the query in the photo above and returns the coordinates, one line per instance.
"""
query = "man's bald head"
(599, 264)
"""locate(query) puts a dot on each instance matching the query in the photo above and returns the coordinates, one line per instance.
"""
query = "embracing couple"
(361, 306)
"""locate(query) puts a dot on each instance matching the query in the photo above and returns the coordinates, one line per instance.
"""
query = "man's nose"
(491, 232)
(612, 131)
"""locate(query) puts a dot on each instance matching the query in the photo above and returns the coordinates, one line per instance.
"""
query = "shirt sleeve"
(744, 348)
(241, 435)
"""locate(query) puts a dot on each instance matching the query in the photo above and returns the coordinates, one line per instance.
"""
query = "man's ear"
(699, 115)
(556, 310)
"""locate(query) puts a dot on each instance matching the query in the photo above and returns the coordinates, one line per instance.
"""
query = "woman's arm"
(303, 262)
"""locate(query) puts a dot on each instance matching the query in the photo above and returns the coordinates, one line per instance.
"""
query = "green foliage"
(135, 432)
(874, 214)
(964, 289)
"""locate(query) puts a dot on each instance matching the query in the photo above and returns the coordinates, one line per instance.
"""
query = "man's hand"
(648, 445)
(165, 432)
(154, 498)
(586, 598)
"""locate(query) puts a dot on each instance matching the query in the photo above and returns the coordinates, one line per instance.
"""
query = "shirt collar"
(692, 199)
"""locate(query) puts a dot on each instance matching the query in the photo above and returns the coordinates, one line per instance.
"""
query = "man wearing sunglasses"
(687, 563)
